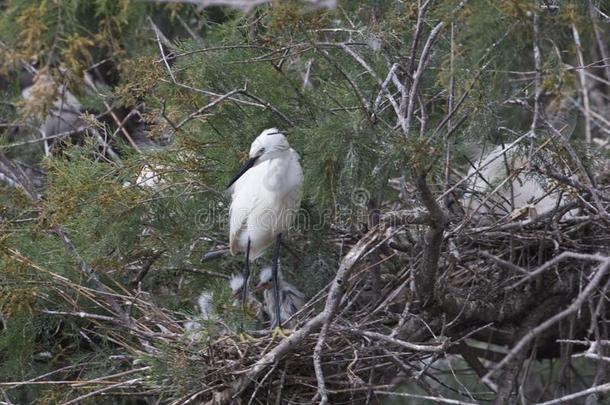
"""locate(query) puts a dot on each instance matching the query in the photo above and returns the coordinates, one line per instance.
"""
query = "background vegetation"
(388, 103)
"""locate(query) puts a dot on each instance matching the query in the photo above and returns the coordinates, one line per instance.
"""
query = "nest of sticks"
(494, 284)
(385, 321)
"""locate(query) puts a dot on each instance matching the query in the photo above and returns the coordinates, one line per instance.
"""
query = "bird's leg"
(244, 287)
(276, 289)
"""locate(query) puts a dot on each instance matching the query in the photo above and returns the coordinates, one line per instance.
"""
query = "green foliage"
(348, 156)
(17, 346)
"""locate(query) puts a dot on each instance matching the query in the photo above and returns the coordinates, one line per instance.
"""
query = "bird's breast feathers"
(265, 200)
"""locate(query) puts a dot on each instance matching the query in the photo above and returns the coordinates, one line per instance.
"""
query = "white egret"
(291, 299)
(150, 177)
(205, 303)
(156, 176)
(210, 316)
(516, 190)
(266, 194)
(237, 284)
(501, 182)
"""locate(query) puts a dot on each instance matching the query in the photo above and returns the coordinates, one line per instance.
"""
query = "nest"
(494, 284)
(371, 330)
(490, 284)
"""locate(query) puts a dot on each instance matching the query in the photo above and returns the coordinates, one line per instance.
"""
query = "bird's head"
(269, 141)
(205, 302)
(236, 283)
(266, 279)
(265, 146)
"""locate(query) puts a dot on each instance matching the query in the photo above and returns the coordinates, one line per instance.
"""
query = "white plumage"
(237, 283)
(150, 177)
(517, 188)
(265, 197)
(205, 303)
(63, 116)
(291, 299)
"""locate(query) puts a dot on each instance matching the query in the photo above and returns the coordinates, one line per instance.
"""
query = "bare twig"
(602, 45)
(208, 106)
(537, 83)
(423, 61)
(571, 397)
(425, 397)
(584, 91)
(246, 5)
(159, 35)
(533, 333)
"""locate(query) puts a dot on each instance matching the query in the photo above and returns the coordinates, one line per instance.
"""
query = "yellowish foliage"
(41, 95)
(33, 29)
(13, 299)
(17, 300)
(139, 77)
(9, 60)
(289, 14)
(77, 54)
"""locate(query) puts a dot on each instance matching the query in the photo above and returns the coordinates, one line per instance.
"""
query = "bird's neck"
(275, 154)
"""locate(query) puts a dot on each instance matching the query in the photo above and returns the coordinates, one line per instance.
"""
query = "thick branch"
(425, 276)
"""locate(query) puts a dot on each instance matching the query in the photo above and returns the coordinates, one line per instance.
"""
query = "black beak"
(247, 166)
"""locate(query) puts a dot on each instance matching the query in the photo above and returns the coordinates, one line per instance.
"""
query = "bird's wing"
(294, 296)
(239, 218)
(246, 197)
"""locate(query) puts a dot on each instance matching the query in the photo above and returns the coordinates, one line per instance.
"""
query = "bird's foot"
(244, 337)
(281, 332)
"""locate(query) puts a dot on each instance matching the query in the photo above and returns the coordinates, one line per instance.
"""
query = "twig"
(32, 141)
(317, 355)
(449, 109)
(599, 37)
(159, 35)
(533, 333)
(214, 254)
(537, 84)
(332, 302)
(198, 271)
(583, 84)
(391, 76)
(504, 263)
(423, 60)
(579, 394)
(246, 5)
(425, 276)
(383, 85)
(125, 384)
(583, 170)
(562, 256)
(90, 273)
(269, 106)
(363, 101)
(82, 314)
(208, 106)
(405, 345)
(425, 397)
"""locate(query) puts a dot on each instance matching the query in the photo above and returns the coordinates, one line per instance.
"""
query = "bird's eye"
(261, 151)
